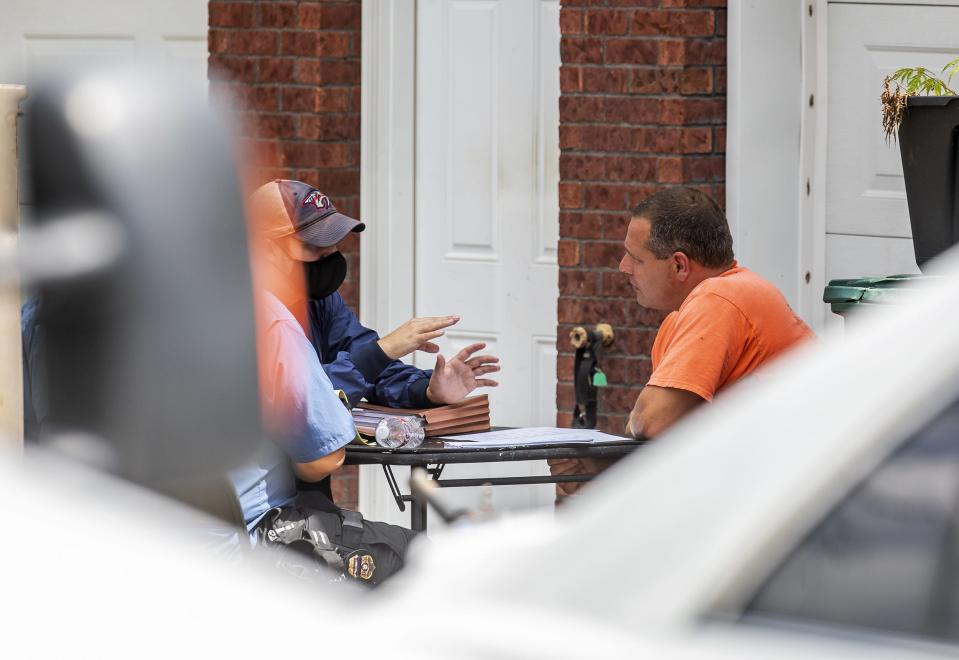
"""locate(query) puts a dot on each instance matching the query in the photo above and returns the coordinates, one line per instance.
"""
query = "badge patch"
(318, 200)
(360, 566)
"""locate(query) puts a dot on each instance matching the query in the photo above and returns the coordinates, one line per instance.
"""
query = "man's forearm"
(658, 408)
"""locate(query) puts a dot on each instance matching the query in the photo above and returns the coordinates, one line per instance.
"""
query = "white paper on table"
(540, 435)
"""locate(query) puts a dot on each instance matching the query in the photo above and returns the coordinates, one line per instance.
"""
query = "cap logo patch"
(317, 199)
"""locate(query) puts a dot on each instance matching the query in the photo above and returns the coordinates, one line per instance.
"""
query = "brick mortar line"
(631, 66)
(658, 96)
(604, 42)
(596, 210)
(640, 156)
(284, 55)
(285, 113)
(570, 297)
(662, 154)
(313, 58)
(629, 36)
(570, 151)
(283, 85)
(643, 125)
(619, 183)
(612, 124)
(259, 29)
(257, 59)
(644, 96)
(640, 66)
(641, 356)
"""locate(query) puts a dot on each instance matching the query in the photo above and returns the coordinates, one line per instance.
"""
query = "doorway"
(460, 188)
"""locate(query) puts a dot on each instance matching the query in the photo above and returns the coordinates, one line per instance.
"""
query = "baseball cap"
(283, 208)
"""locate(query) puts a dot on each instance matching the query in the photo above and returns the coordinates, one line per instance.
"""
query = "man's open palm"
(454, 379)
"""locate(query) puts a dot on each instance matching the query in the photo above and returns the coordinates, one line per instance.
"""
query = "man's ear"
(681, 265)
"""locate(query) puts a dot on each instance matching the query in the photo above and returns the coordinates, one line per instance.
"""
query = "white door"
(484, 222)
(37, 35)
(867, 221)
(487, 209)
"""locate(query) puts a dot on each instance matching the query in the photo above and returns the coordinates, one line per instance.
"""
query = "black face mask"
(325, 276)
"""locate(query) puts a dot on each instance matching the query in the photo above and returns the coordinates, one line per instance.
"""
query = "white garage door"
(39, 34)
(867, 222)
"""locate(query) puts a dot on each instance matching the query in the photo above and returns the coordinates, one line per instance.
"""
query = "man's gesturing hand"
(416, 334)
(453, 380)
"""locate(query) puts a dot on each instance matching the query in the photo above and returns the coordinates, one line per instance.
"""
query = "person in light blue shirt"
(309, 427)
(308, 423)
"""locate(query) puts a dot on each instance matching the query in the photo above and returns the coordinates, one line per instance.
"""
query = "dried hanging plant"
(906, 82)
(893, 104)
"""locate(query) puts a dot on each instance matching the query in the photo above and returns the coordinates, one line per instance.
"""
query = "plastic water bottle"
(395, 432)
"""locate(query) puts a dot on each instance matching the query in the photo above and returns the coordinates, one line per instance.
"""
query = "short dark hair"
(689, 221)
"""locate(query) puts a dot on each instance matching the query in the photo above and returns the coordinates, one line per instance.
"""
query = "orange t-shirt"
(726, 328)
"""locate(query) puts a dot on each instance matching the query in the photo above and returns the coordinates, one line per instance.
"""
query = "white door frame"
(814, 131)
(767, 172)
(387, 162)
(387, 169)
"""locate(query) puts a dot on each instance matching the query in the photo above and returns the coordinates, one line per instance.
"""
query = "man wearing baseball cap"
(303, 228)
(301, 323)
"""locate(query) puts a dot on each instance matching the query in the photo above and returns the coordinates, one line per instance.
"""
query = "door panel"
(868, 256)
(40, 33)
(51, 35)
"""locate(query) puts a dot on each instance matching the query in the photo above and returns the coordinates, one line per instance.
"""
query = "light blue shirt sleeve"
(302, 411)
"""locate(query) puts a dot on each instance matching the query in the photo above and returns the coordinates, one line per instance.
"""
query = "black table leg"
(418, 516)
(417, 507)
(398, 497)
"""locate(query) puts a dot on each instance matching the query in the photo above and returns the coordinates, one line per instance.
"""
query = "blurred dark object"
(34, 389)
(139, 254)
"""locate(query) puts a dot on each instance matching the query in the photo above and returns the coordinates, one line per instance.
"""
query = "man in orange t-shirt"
(725, 321)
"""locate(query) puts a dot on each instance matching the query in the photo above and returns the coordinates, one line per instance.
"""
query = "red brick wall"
(292, 72)
(642, 107)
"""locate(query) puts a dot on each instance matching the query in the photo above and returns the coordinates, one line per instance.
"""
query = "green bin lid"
(846, 294)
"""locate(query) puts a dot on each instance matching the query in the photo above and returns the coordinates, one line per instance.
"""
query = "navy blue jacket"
(356, 364)
(34, 376)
